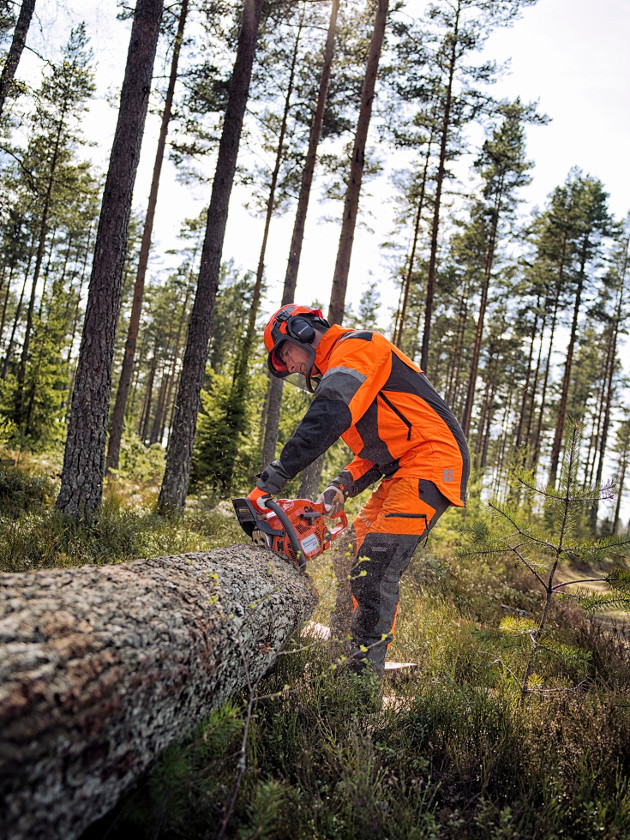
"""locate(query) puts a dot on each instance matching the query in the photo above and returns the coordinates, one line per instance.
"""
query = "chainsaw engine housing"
(293, 528)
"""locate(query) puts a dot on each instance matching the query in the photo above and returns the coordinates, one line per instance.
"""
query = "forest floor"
(459, 751)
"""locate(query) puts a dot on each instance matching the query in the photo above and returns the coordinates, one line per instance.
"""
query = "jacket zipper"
(397, 412)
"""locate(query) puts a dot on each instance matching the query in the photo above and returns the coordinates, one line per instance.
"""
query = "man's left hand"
(333, 500)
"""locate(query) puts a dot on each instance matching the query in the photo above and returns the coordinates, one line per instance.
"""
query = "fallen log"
(101, 667)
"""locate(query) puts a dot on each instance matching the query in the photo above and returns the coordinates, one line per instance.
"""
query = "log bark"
(102, 667)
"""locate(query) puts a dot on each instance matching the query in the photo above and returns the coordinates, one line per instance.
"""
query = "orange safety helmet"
(297, 324)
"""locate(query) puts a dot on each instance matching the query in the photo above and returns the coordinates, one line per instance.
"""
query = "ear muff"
(300, 329)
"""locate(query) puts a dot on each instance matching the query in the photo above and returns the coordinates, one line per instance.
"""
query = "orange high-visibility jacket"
(385, 409)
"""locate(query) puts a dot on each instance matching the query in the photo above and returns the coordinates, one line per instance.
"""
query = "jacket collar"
(326, 345)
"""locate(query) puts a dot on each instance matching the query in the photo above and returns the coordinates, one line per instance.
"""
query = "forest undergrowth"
(461, 748)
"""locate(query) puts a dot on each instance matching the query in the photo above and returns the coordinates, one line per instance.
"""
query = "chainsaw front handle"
(290, 530)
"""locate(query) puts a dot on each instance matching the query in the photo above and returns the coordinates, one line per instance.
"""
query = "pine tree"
(355, 176)
(84, 457)
(178, 462)
(274, 395)
(116, 426)
(590, 224)
(612, 309)
(15, 51)
(503, 168)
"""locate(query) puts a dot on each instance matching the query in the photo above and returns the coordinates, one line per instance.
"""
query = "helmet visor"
(275, 364)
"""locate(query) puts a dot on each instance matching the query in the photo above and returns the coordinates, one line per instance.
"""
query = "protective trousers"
(398, 514)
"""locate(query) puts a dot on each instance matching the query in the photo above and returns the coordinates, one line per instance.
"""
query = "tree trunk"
(180, 445)
(43, 232)
(543, 397)
(483, 304)
(534, 390)
(118, 414)
(77, 306)
(102, 667)
(170, 407)
(156, 426)
(15, 51)
(609, 392)
(84, 458)
(311, 475)
(16, 318)
(454, 370)
(351, 202)
(568, 366)
(518, 443)
(274, 397)
(235, 417)
(446, 122)
(297, 238)
(7, 292)
(143, 429)
(622, 466)
(406, 285)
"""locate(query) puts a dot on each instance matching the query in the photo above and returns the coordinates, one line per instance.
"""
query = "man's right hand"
(333, 500)
(257, 497)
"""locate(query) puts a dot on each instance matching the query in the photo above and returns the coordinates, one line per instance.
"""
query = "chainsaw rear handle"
(290, 530)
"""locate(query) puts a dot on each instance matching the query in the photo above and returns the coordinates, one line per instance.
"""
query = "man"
(402, 433)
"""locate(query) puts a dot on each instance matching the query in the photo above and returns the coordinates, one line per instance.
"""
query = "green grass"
(33, 535)
(455, 756)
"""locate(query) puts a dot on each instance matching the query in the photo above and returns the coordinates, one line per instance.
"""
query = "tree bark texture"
(120, 404)
(353, 190)
(180, 446)
(101, 667)
(84, 458)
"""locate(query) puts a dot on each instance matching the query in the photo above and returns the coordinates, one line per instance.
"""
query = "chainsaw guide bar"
(295, 529)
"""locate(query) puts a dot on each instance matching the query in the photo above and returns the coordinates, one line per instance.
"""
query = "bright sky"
(569, 55)
(572, 56)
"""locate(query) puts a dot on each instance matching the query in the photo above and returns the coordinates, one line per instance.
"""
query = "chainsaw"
(293, 528)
